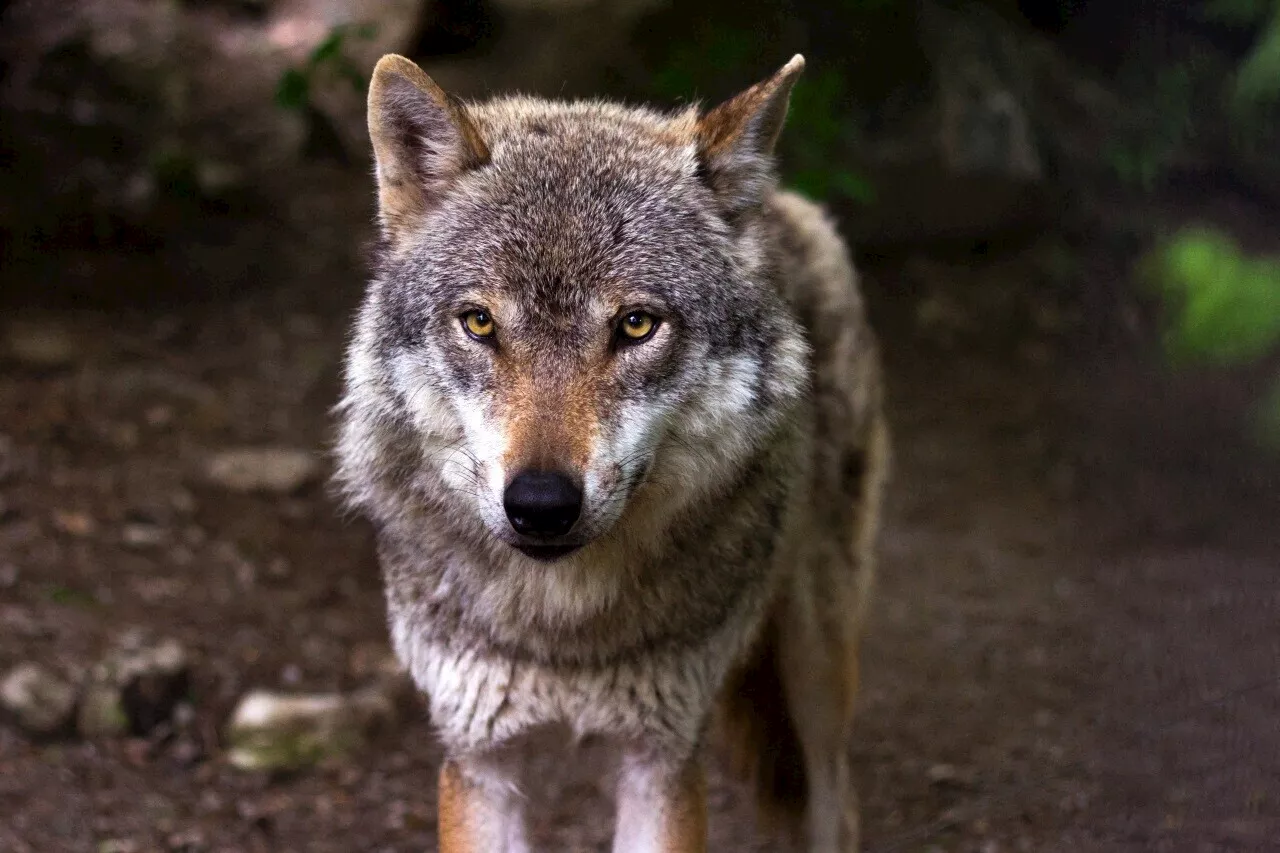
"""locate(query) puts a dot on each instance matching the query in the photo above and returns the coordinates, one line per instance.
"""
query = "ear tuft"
(423, 140)
(736, 140)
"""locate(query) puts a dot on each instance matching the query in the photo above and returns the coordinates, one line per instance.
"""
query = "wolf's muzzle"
(542, 504)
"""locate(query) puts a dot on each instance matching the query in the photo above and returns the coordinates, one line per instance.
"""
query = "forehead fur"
(577, 198)
(615, 132)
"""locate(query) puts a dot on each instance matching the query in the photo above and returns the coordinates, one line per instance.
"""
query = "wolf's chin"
(546, 553)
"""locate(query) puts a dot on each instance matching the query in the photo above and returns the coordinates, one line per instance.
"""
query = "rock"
(969, 160)
(40, 701)
(74, 523)
(119, 845)
(263, 469)
(40, 343)
(143, 536)
(134, 688)
(984, 126)
(276, 731)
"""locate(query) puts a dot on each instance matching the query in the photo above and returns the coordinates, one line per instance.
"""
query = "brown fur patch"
(551, 425)
(686, 829)
(406, 107)
(457, 817)
(759, 111)
(764, 746)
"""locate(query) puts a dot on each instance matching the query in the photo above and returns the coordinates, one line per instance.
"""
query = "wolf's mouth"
(546, 553)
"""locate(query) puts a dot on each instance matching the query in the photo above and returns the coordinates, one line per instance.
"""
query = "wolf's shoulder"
(814, 264)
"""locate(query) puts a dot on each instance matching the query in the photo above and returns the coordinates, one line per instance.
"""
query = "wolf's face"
(572, 306)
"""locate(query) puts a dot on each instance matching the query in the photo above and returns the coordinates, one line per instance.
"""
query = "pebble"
(278, 731)
(74, 523)
(41, 702)
(134, 688)
(143, 536)
(275, 470)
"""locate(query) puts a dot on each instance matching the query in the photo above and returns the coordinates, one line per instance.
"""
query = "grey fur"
(734, 462)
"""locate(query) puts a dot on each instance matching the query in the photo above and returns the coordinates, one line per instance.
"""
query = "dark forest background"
(1066, 216)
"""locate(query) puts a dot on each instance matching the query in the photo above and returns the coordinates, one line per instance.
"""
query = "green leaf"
(812, 183)
(59, 594)
(1258, 79)
(673, 82)
(815, 108)
(347, 70)
(293, 90)
(1224, 305)
(330, 48)
(854, 187)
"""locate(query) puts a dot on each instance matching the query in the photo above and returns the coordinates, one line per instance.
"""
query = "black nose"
(542, 504)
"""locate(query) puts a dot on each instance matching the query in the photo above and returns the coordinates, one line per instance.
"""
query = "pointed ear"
(422, 138)
(737, 138)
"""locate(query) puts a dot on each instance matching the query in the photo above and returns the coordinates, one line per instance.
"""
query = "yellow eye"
(637, 325)
(478, 324)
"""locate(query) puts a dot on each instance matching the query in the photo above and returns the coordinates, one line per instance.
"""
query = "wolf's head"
(575, 312)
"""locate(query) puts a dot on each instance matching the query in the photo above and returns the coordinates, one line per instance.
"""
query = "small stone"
(275, 731)
(40, 702)
(939, 773)
(949, 776)
(188, 842)
(186, 751)
(159, 416)
(278, 569)
(216, 178)
(40, 343)
(143, 536)
(263, 469)
(119, 845)
(134, 688)
(182, 502)
(73, 523)
(184, 715)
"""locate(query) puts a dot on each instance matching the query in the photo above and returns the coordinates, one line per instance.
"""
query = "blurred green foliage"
(815, 147)
(293, 91)
(60, 594)
(1142, 159)
(1224, 308)
(1257, 80)
(1181, 98)
(820, 136)
(1225, 303)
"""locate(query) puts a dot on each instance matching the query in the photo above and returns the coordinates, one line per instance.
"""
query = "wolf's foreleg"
(479, 811)
(662, 806)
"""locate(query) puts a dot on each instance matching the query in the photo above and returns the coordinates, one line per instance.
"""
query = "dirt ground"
(1074, 645)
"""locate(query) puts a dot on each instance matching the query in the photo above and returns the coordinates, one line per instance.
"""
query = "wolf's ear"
(422, 138)
(737, 138)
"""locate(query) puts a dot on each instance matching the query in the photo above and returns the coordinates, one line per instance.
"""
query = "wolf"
(615, 412)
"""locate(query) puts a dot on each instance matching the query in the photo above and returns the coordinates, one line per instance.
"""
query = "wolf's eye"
(637, 326)
(478, 324)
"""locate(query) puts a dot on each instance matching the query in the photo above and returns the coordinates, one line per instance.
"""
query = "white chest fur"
(479, 700)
